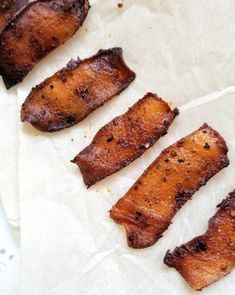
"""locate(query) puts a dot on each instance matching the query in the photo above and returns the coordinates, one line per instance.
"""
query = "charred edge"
(227, 202)
(71, 65)
(232, 195)
(221, 141)
(176, 112)
(68, 121)
(89, 183)
(168, 259)
(132, 241)
(112, 51)
(9, 81)
(182, 197)
(116, 52)
(67, 7)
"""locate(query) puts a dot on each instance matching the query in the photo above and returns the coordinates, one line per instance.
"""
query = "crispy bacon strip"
(42, 26)
(207, 258)
(148, 208)
(9, 9)
(125, 138)
(73, 93)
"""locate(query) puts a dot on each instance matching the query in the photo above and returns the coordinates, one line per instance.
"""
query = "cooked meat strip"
(209, 257)
(42, 26)
(148, 208)
(73, 93)
(125, 138)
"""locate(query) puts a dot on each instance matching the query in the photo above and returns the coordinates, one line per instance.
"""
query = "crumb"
(147, 145)
(71, 139)
(10, 257)
(120, 5)
(110, 35)
(97, 190)
(170, 103)
(109, 190)
(85, 136)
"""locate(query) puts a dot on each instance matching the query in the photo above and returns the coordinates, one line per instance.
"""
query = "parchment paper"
(184, 51)
(9, 147)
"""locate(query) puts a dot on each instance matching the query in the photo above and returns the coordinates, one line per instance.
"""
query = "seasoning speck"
(110, 139)
(120, 5)
(147, 145)
(42, 112)
(200, 246)
(207, 146)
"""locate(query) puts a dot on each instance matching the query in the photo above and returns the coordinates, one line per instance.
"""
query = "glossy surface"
(73, 93)
(125, 138)
(42, 26)
(9, 9)
(148, 208)
(207, 258)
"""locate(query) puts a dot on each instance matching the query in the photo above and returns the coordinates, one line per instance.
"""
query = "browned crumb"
(120, 5)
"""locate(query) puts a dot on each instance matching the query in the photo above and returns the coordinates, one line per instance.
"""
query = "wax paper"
(182, 50)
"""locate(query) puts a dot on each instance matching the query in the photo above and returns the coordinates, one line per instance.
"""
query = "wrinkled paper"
(182, 50)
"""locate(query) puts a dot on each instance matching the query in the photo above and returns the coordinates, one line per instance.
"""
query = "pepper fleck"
(200, 246)
(42, 112)
(207, 146)
(110, 139)
(137, 215)
(70, 119)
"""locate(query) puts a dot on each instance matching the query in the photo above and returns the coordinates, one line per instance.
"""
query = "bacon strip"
(9, 9)
(125, 138)
(148, 208)
(41, 27)
(207, 258)
(73, 93)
